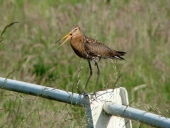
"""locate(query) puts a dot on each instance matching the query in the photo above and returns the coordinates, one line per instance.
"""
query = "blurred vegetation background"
(28, 53)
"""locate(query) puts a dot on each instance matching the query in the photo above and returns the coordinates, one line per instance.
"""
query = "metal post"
(102, 120)
(135, 114)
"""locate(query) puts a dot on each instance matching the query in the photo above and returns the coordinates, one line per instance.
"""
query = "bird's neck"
(77, 36)
(76, 40)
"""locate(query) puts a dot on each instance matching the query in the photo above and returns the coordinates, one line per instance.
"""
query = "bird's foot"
(94, 95)
(84, 93)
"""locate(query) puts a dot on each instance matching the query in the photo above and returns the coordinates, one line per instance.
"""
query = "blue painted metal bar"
(49, 93)
(138, 115)
(42, 91)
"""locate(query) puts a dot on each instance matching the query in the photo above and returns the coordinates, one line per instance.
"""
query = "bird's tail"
(119, 54)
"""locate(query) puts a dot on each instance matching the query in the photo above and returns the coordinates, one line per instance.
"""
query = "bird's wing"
(96, 48)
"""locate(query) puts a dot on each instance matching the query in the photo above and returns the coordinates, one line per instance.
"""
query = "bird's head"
(75, 31)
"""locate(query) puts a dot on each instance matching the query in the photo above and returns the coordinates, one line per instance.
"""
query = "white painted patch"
(102, 120)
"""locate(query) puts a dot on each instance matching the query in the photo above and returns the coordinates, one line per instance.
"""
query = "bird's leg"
(98, 75)
(88, 77)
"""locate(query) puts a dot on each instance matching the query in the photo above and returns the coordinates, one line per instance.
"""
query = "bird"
(90, 50)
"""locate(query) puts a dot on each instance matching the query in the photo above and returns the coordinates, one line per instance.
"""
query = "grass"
(141, 28)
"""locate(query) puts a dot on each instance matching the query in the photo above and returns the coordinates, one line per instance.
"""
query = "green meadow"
(28, 53)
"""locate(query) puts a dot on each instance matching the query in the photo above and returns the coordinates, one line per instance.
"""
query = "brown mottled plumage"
(90, 49)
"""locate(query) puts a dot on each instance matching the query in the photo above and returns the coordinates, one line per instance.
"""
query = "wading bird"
(91, 50)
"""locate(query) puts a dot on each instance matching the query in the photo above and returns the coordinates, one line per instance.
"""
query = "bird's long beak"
(68, 36)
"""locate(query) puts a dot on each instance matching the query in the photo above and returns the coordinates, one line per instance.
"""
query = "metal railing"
(136, 114)
(111, 108)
